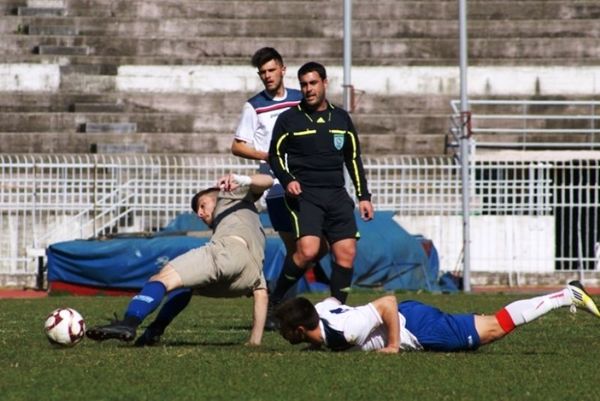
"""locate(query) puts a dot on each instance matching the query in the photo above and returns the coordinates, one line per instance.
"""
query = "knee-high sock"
(526, 310)
(145, 302)
(341, 281)
(290, 274)
(176, 301)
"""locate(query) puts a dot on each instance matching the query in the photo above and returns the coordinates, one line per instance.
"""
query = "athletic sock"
(527, 310)
(320, 275)
(144, 303)
(290, 274)
(176, 301)
(341, 281)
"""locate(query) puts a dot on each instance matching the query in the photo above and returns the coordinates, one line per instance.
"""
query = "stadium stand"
(95, 42)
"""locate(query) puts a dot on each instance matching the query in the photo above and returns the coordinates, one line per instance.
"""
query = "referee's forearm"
(276, 164)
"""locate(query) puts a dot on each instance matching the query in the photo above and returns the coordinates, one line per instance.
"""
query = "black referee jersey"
(312, 147)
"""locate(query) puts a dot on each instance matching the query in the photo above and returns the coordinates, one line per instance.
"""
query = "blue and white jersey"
(259, 115)
(358, 328)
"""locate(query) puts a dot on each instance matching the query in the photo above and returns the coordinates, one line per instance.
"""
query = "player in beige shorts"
(229, 265)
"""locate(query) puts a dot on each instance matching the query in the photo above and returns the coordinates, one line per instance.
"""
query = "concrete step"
(118, 148)
(192, 50)
(410, 144)
(60, 50)
(41, 11)
(88, 69)
(52, 102)
(52, 30)
(88, 83)
(327, 61)
(500, 9)
(203, 103)
(378, 28)
(10, 6)
(98, 108)
(226, 123)
(117, 128)
(77, 142)
(197, 143)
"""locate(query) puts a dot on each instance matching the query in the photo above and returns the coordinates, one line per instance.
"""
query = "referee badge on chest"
(338, 141)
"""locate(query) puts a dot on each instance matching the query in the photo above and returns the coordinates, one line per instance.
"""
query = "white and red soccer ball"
(64, 326)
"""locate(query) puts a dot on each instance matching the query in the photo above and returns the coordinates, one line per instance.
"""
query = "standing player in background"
(385, 325)
(253, 136)
(311, 144)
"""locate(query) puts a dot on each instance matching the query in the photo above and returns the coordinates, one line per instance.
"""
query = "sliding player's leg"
(492, 328)
(140, 306)
(176, 302)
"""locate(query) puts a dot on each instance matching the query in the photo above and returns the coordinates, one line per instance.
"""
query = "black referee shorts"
(327, 212)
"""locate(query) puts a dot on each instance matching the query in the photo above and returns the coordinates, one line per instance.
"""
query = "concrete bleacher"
(101, 96)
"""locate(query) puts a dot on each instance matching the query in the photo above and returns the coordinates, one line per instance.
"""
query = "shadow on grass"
(199, 343)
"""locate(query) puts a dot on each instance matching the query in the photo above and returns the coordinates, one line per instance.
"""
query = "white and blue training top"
(259, 115)
(358, 328)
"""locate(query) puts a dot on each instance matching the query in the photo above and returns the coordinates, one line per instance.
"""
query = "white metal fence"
(546, 202)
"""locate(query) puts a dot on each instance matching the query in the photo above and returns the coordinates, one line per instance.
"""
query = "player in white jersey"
(253, 137)
(386, 326)
(253, 134)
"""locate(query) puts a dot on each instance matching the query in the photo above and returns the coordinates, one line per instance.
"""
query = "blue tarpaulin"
(387, 257)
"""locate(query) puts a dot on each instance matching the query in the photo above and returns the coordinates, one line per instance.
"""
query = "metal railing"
(50, 198)
(532, 124)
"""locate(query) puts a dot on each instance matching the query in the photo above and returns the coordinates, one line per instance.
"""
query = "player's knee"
(168, 277)
(306, 253)
(345, 254)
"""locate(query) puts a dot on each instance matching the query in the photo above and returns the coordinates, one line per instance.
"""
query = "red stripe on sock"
(505, 320)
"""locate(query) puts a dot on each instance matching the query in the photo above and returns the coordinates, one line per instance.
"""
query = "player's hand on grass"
(389, 350)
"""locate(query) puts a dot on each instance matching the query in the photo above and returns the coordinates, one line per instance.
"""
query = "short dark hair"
(200, 194)
(264, 55)
(312, 66)
(297, 312)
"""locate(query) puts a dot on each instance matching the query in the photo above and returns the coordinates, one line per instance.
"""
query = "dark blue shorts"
(440, 331)
(277, 209)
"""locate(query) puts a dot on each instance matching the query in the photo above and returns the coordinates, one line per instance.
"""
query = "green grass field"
(203, 358)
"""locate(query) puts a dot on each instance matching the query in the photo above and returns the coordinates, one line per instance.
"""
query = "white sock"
(527, 310)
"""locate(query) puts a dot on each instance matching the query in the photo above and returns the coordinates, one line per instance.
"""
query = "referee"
(310, 144)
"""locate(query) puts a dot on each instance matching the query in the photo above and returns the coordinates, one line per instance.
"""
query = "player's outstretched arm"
(258, 182)
(387, 307)
(261, 300)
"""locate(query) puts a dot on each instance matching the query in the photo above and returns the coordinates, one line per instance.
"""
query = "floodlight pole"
(347, 86)
(464, 145)
(347, 55)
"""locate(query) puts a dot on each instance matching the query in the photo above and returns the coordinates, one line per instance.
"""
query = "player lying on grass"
(230, 265)
(386, 326)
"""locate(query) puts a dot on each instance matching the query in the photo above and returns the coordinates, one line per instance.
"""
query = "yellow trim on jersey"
(354, 164)
(279, 157)
(307, 132)
(337, 131)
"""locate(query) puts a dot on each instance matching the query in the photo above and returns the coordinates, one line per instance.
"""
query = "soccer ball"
(64, 326)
